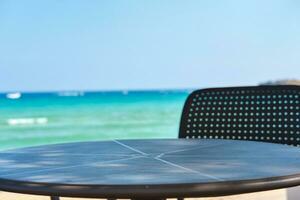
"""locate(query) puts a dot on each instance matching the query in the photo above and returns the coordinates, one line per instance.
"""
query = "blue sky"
(136, 44)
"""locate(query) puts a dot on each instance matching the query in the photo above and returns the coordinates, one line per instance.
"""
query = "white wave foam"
(27, 121)
(15, 95)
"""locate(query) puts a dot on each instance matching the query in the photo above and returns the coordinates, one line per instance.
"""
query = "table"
(144, 169)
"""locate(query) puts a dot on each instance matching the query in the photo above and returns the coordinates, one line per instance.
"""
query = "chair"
(258, 113)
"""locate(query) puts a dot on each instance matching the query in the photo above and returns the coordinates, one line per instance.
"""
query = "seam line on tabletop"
(188, 169)
(189, 149)
(131, 148)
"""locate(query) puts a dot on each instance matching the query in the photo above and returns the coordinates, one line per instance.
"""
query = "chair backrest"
(259, 113)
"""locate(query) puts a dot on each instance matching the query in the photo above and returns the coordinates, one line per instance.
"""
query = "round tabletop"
(150, 168)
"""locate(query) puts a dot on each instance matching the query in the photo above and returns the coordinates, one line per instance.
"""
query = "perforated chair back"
(259, 113)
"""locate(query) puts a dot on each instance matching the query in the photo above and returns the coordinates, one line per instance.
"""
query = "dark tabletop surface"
(95, 169)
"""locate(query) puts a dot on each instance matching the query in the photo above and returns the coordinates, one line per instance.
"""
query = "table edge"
(211, 189)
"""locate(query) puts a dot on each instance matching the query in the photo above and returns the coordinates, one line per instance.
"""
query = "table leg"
(54, 198)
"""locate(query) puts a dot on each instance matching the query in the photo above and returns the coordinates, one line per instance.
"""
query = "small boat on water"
(70, 94)
(14, 95)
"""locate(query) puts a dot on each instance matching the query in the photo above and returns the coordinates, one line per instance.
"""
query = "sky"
(54, 45)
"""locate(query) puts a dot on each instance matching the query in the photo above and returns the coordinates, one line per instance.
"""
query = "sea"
(28, 119)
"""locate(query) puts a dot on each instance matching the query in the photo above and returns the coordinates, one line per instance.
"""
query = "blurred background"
(94, 70)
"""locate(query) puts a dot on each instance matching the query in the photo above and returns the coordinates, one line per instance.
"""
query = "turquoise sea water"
(43, 118)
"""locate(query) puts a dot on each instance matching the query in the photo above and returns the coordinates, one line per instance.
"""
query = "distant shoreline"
(98, 91)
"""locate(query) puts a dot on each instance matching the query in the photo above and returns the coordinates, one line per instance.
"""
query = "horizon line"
(97, 90)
